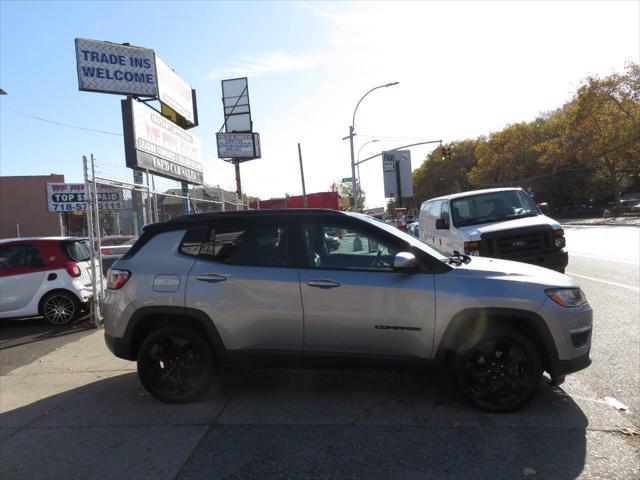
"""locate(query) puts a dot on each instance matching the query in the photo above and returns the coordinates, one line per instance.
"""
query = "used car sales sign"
(71, 197)
(115, 68)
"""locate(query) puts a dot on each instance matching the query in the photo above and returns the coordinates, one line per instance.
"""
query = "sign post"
(238, 143)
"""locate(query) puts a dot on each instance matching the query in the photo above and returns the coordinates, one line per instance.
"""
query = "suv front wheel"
(175, 364)
(499, 373)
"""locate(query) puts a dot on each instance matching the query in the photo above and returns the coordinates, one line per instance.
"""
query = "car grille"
(518, 243)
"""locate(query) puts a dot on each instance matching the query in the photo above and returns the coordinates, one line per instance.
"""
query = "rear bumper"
(120, 347)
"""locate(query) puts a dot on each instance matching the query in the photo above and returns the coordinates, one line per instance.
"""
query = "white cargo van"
(499, 223)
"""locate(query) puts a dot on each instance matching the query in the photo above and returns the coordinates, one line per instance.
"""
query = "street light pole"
(352, 127)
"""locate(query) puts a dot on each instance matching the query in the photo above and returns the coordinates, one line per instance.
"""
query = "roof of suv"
(472, 192)
(196, 218)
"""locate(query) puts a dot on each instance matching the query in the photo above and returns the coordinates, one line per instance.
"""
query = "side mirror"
(405, 262)
(441, 224)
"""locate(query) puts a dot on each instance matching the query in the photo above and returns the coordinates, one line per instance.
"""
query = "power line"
(62, 124)
(104, 132)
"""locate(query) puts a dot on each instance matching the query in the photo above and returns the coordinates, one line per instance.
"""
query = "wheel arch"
(56, 290)
(469, 325)
(148, 319)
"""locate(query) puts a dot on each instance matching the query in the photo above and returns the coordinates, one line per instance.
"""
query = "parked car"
(48, 276)
(414, 230)
(116, 244)
(228, 288)
(499, 223)
(111, 253)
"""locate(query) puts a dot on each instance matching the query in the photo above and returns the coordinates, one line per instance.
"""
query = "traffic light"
(446, 152)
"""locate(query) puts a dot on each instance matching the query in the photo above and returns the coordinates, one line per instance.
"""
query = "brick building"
(23, 206)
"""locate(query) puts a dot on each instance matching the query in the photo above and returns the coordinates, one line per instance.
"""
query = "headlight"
(567, 297)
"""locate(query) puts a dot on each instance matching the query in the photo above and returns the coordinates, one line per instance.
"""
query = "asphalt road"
(605, 261)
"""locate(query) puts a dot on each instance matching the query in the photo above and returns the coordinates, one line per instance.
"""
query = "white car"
(48, 276)
(500, 223)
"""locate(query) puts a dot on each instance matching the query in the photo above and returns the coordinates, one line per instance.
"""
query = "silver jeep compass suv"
(263, 287)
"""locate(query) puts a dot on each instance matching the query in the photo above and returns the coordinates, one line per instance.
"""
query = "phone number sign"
(71, 197)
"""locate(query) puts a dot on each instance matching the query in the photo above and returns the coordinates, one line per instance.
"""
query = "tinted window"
(192, 241)
(78, 251)
(263, 245)
(16, 256)
(351, 249)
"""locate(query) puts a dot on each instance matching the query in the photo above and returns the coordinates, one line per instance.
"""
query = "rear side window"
(78, 251)
(19, 256)
(262, 245)
(193, 240)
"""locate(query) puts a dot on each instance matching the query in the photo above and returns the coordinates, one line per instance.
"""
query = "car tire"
(501, 372)
(60, 308)
(175, 364)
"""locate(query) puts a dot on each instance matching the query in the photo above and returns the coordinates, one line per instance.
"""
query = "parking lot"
(69, 409)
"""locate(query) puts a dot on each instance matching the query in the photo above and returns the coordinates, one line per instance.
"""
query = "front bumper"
(557, 260)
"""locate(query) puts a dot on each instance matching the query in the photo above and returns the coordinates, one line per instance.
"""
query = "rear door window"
(261, 244)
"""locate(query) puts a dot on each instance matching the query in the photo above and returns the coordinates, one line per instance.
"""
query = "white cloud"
(269, 63)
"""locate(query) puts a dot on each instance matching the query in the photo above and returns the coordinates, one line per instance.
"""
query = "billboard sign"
(154, 144)
(114, 68)
(71, 197)
(235, 100)
(244, 146)
(396, 170)
(174, 92)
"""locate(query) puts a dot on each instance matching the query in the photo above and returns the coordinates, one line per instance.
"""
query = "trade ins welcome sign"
(115, 68)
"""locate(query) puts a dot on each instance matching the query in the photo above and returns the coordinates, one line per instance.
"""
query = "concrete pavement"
(78, 412)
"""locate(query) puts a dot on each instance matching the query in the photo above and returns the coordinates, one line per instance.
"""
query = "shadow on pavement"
(291, 424)
(16, 332)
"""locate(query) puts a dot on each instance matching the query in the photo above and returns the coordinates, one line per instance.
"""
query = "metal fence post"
(97, 224)
(95, 304)
(221, 196)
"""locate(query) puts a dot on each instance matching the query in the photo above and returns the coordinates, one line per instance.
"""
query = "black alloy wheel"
(175, 365)
(500, 374)
(60, 308)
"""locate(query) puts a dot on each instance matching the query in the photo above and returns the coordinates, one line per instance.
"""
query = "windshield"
(410, 239)
(492, 207)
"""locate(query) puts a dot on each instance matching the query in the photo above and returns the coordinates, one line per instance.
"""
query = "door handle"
(323, 283)
(211, 278)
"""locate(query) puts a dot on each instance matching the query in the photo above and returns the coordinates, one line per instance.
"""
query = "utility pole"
(304, 190)
(354, 187)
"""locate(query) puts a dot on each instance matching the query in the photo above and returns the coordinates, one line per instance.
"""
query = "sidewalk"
(79, 412)
(610, 221)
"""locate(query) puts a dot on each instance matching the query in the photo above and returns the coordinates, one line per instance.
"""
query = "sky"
(466, 69)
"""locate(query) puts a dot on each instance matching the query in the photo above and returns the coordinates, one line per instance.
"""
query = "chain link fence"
(122, 201)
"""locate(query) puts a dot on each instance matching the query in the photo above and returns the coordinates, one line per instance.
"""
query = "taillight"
(73, 269)
(117, 278)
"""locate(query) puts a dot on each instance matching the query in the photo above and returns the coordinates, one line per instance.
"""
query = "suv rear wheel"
(500, 373)
(175, 364)
(60, 308)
